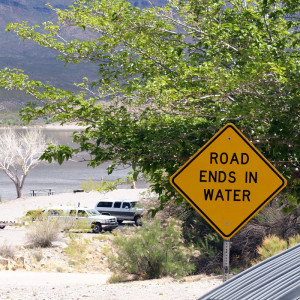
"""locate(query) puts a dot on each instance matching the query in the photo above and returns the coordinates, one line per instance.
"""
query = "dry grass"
(273, 245)
(43, 232)
(7, 251)
(87, 252)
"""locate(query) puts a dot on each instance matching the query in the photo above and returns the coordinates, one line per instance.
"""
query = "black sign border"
(273, 169)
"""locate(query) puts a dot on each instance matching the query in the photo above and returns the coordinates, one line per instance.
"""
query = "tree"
(19, 154)
(169, 78)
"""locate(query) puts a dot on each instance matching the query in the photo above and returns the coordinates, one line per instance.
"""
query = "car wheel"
(96, 228)
(120, 221)
(2, 227)
(138, 221)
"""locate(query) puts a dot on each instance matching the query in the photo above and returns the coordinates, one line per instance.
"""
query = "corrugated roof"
(276, 278)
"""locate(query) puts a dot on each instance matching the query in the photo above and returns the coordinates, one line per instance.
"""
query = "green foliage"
(103, 187)
(293, 197)
(89, 185)
(169, 78)
(197, 231)
(76, 250)
(152, 251)
(271, 221)
(273, 245)
(33, 214)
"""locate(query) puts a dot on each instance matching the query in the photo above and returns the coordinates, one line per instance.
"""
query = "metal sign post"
(226, 254)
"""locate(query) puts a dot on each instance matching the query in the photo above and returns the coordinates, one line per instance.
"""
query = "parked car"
(83, 217)
(123, 210)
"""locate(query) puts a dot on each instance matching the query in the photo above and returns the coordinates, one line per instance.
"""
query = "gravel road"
(55, 286)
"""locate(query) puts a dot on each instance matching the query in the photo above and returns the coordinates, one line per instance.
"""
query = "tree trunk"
(19, 190)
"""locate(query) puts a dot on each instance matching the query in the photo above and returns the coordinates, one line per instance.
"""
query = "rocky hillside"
(39, 63)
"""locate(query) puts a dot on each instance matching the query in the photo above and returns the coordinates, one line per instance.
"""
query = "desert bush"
(117, 278)
(32, 215)
(38, 255)
(90, 185)
(7, 251)
(270, 221)
(272, 245)
(102, 187)
(294, 240)
(43, 232)
(152, 251)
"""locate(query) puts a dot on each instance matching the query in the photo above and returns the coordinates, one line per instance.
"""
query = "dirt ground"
(53, 277)
(69, 271)
(39, 285)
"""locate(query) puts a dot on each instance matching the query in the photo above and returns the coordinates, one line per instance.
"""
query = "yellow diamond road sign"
(228, 181)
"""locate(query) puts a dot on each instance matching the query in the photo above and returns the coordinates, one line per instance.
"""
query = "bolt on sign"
(228, 181)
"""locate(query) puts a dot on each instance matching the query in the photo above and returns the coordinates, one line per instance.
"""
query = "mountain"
(39, 63)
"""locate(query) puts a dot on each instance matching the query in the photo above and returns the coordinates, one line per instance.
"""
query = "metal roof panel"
(276, 278)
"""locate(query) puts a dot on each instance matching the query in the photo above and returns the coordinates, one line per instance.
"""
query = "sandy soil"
(55, 285)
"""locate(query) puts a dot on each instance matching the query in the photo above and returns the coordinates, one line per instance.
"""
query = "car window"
(133, 204)
(55, 212)
(126, 205)
(72, 212)
(93, 212)
(104, 204)
(117, 205)
(82, 213)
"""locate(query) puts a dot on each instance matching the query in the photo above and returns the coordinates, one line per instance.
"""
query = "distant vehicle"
(83, 217)
(123, 210)
(3, 224)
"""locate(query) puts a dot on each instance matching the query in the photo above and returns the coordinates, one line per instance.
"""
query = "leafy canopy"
(169, 78)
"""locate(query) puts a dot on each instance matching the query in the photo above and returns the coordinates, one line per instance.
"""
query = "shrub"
(294, 240)
(103, 187)
(7, 251)
(90, 185)
(32, 215)
(76, 249)
(43, 232)
(272, 245)
(152, 251)
(38, 255)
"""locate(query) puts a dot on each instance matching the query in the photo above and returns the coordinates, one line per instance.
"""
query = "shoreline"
(52, 126)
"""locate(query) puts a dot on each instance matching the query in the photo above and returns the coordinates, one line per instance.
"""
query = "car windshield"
(93, 212)
(133, 204)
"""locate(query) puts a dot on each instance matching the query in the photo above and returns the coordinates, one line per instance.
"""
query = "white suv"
(123, 210)
(88, 217)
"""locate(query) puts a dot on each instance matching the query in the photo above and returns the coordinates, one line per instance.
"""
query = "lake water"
(61, 178)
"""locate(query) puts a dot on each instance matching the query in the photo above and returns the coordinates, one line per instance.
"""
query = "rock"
(42, 263)
(4, 261)
(20, 260)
